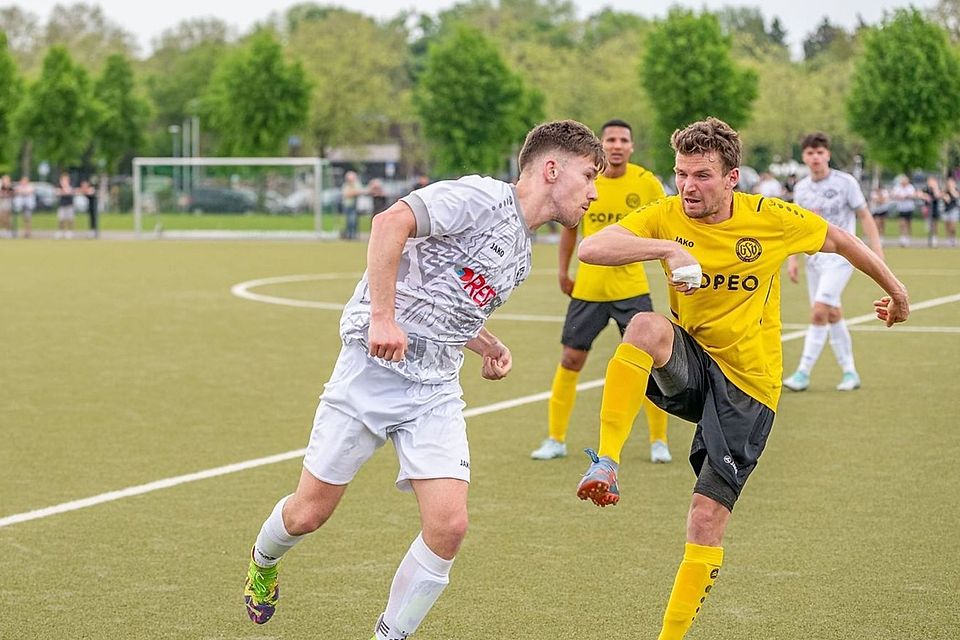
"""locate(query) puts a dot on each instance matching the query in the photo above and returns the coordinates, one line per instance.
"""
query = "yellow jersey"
(735, 315)
(617, 198)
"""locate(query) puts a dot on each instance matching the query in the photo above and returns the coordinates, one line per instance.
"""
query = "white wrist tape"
(690, 275)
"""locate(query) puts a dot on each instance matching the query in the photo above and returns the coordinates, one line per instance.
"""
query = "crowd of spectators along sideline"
(19, 200)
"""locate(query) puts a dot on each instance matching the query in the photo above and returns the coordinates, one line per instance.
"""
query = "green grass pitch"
(125, 363)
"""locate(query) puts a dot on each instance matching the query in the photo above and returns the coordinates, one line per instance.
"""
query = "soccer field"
(136, 368)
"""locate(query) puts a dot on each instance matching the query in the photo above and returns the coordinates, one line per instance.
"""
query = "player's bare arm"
(388, 234)
(892, 308)
(616, 245)
(568, 242)
(497, 360)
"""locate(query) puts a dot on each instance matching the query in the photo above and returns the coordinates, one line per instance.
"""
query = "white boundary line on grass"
(243, 290)
(167, 483)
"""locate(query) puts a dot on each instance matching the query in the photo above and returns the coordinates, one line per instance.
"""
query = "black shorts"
(585, 320)
(732, 427)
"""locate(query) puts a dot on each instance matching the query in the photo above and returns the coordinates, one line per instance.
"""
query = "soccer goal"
(232, 197)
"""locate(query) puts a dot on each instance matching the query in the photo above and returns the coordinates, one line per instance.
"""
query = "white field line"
(167, 483)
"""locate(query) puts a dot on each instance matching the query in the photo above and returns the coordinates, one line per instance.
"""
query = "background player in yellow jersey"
(601, 293)
(719, 362)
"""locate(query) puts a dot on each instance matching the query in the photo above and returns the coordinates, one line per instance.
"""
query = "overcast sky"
(148, 19)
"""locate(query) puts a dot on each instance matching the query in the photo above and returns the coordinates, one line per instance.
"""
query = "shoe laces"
(263, 580)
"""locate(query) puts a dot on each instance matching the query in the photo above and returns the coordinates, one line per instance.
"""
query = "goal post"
(229, 197)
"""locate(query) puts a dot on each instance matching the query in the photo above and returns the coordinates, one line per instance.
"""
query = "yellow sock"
(623, 393)
(563, 394)
(695, 579)
(656, 421)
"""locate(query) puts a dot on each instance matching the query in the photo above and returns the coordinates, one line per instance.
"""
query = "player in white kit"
(439, 262)
(837, 197)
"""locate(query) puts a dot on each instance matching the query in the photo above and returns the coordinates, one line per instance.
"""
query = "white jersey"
(836, 198)
(472, 249)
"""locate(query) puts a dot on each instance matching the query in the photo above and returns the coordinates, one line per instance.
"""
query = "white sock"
(273, 541)
(812, 346)
(842, 345)
(420, 578)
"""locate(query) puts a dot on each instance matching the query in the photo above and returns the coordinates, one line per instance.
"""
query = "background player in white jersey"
(440, 261)
(837, 197)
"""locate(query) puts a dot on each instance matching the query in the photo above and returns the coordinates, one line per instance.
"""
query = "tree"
(256, 99)
(709, 83)
(905, 97)
(747, 28)
(59, 113)
(87, 34)
(178, 72)
(358, 92)
(947, 15)
(778, 35)
(473, 109)
(10, 92)
(123, 114)
(22, 30)
(827, 37)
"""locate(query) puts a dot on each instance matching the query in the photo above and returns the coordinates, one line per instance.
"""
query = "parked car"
(220, 200)
(46, 195)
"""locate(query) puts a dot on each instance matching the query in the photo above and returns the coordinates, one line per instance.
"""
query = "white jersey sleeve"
(452, 207)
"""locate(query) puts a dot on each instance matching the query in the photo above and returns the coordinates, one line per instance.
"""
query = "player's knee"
(648, 331)
(835, 314)
(446, 535)
(573, 359)
(299, 519)
(706, 522)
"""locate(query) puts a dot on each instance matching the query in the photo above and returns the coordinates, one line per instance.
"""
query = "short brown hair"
(816, 139)
(568, 136)
(711, 134)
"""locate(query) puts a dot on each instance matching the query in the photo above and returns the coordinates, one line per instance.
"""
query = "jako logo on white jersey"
(475, 284)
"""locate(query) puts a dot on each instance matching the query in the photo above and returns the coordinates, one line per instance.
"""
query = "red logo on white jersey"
(475, 284)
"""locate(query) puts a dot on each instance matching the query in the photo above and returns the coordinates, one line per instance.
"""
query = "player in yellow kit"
(719, 362)
(600, 293)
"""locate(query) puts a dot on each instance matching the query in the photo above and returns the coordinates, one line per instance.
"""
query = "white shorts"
(66, 214)
(365, 403)
(827, 277)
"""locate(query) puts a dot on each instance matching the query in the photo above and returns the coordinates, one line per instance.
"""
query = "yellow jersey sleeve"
(617, 197)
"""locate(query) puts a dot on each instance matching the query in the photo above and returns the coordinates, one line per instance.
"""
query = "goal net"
(233, 197)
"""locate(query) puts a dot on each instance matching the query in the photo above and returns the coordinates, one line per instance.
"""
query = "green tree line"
(458, 90)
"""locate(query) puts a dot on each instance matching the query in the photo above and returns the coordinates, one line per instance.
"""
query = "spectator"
(421, 181)
(351, 190)
(24, 202)
(904, 194)
(65, 211)
(90, 193)
(933, 197)
(6, 206)
(951, 210)
(788, 186)
(880, 204)
(378, 195)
